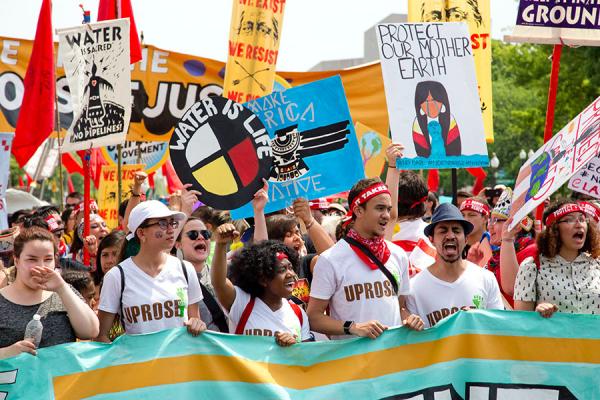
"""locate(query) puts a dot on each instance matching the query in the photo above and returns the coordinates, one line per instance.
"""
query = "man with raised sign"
(363, 278)
(451, 284)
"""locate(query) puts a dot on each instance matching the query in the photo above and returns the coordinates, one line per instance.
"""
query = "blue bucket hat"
(447, 212)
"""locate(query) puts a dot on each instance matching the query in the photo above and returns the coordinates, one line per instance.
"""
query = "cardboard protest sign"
(254, 38)
(108, 203)
(477, 15)
(372, 147)
(570, 22)
(587, 179)
(315, 151)
(431, 93)
(556, 161)
(96, 63)
(153, 154)
(222, 149)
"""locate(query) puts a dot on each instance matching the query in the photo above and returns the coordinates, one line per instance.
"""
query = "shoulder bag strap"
(372, 257)
(214, 309)
(239, 330)
(184, 269)
(121, 295)
(297, 311)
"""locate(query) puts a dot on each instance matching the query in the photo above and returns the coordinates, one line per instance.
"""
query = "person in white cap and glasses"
(451, 284)
(149, 289)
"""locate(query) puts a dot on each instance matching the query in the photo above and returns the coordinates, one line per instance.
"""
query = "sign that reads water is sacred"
(96, 63)
(222, 149)
(556, 161)
(315, 151)
(431, 92)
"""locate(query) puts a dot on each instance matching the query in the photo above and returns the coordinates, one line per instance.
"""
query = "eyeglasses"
(496, 220)
(164, 224)
(193, 235)
(573, 221)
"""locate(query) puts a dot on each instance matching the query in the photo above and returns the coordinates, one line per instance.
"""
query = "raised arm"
(509, 265)
(224, 289)
(392, 153)
(136, 193)
(260, 200)
(319, 236)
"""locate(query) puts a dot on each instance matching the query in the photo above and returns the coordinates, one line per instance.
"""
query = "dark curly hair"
(549, 242)
(256, 263)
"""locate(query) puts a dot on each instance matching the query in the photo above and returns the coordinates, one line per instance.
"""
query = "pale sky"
(313, 30)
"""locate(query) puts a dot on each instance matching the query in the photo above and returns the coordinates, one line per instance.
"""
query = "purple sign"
(559, 14)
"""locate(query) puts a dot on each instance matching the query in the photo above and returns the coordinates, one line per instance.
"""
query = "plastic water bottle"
(34, 330)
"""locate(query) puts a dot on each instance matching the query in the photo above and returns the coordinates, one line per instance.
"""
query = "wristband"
(508, 240)
(135, 195)
(310, 224)
(391, 166)
(347, 326)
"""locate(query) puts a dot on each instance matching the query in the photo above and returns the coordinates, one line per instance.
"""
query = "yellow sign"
(477, 14)
(372, 146)
(254, 38)
(165, 84)
(108, 189)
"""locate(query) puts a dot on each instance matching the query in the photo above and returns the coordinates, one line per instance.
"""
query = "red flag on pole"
(36, 117)
(111, 9)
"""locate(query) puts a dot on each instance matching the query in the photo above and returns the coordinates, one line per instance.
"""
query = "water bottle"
(34, 330)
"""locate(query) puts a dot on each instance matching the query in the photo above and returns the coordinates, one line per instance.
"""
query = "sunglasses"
(193, 235)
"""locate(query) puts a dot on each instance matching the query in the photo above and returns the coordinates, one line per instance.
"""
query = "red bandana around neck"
(378, 247)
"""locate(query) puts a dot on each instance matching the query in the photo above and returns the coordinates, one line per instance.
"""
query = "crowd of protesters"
(319, 270)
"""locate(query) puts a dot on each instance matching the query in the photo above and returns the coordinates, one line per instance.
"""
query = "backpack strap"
(184, 269)
(215, 310)
(297, 311)
(239, 330)
(121, 295)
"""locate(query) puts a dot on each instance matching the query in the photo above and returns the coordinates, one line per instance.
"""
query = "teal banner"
(476, 355)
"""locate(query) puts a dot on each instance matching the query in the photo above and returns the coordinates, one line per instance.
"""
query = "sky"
(313, 30)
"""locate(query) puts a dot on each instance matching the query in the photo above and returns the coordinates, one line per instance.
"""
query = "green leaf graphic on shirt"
(182, 296)
(396, 276)
(478, 302)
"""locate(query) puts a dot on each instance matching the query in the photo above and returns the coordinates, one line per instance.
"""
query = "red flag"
(36, 117)
(70, 185)
(173, 181)
(433, 180)
(111, 9)
(479, 174)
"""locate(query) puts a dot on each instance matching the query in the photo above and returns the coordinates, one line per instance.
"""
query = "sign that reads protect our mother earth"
(223, 150)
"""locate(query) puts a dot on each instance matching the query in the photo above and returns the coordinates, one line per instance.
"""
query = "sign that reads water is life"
(431, 92)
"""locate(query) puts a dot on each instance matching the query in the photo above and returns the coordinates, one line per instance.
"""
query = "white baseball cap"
(150, 209)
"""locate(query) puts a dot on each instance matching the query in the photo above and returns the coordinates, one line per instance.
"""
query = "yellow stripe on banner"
(165, 371)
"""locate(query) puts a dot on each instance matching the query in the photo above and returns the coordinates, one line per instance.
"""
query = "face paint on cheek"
(158, 235)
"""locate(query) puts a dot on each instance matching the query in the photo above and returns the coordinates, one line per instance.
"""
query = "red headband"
(367, 194)
(280, 255)
(561, 212)
(52, 223)
(80, 206)
(416, 203)
(590, 210)
(474, 205)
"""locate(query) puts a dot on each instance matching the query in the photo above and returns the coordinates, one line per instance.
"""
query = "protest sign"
(165, 84)
(587, 179)
(44, 161)
(556, 161)
(315, 151)
(570, 22)
(477, 14)
(153, 154)
(254, 37)
(96, 63)
(431, 93)
(372, 147)
(5, 145)
(222, 149)
(477, 355)
(108, 203)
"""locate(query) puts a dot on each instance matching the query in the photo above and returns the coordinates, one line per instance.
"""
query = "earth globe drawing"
(370, 146)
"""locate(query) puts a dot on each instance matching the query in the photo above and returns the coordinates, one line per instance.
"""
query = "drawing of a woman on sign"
(435, 131)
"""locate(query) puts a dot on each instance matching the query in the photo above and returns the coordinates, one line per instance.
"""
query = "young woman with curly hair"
(566, 277)
(261, 279)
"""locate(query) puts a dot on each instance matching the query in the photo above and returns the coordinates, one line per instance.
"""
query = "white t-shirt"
(151, 304)
(411, 230)
(265, 322)
(355, 291)
(434, 299)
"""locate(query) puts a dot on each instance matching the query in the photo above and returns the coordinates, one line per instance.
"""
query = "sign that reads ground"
(431, 92)
(96, 63)
(579, 14)
(223, 150)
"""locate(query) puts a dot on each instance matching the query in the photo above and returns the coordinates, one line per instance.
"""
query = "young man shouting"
(363, 279)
